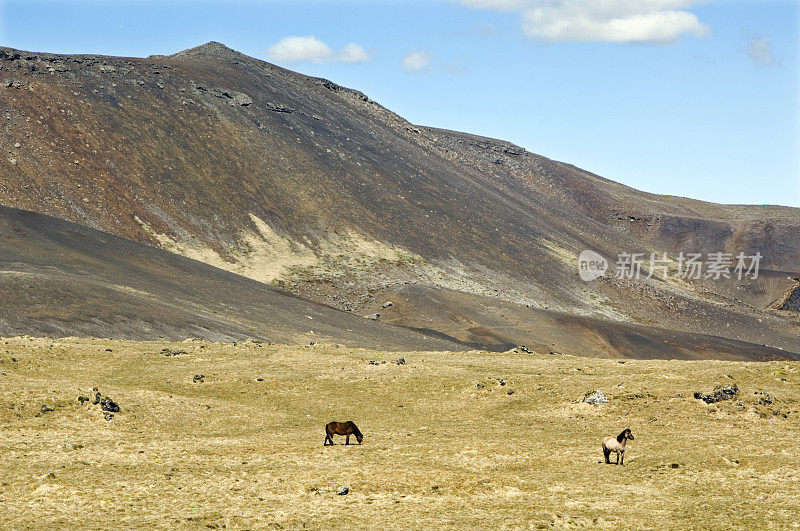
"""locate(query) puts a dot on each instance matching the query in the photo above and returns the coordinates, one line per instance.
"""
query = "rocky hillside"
(315, 188)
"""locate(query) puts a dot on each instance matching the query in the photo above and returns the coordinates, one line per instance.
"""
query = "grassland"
(446, 443)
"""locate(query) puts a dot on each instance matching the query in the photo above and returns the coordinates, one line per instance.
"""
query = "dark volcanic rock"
(277, 107)
(764, 399)
(109, 405)
(719, 394)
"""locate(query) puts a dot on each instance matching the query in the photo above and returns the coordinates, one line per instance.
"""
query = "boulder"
(595, 397)
(719, 394)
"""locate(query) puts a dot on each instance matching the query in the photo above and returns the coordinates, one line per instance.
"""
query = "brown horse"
(342, 428)
(610, 444)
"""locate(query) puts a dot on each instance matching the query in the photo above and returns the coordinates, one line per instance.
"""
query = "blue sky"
(682, 97)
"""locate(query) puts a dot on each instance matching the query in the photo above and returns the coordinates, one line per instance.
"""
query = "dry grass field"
(447, 444)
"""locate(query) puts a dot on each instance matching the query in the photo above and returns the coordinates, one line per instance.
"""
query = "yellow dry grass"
(439, 451)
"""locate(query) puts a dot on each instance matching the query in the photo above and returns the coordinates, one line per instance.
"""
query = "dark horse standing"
(342, 428)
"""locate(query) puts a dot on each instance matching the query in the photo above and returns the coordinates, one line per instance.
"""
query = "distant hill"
(62, 279)
(314, 188)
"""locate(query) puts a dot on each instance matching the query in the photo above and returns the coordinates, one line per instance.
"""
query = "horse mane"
(621, 436)
(355, 428)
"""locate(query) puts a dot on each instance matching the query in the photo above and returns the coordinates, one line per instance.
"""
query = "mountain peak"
(210, 49)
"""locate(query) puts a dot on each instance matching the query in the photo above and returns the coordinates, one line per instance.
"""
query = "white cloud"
(294, 49)
(760, 51)
(643, 21)
(416, 60)
(353, 53)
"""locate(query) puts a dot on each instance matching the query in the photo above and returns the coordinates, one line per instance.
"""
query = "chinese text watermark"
(687, 266)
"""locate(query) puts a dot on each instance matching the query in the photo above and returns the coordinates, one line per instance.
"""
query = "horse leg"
(347, 439)
(607, 453)
(622, 458)
(617, 457)
(327, 438)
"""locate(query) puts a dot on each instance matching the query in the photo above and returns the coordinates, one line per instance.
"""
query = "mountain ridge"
(316, 189)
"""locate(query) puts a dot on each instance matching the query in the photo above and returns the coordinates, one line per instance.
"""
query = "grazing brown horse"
(610, 444)
(342, 428)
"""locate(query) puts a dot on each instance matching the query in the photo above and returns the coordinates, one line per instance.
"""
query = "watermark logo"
(713, 266)
(591, 265)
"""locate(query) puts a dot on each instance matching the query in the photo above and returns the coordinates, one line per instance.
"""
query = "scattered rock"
(13, 162)
(107, 415)
(525, 349)
(231, 96)
(109, 405)
(387, 304)
(399, 361)
(595, 397)
(343, 490)
(17, 145)
(279, 108)
(198, 378)
(241, 99)
(170, 352)
(46, 409)
(373, 362)
(83, 399)
(374, 317)
(330, 85)
(765, 399)
(501, 381)
(719, 394)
